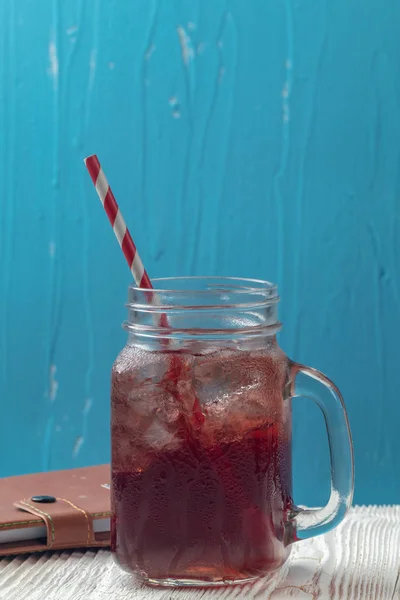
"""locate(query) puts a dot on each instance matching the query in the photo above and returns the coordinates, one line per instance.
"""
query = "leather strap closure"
(67, 524)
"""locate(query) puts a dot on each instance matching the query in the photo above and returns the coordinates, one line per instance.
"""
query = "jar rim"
(211, 285)
(203, 306)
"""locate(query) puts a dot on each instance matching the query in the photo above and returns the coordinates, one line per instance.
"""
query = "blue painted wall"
(255, 138)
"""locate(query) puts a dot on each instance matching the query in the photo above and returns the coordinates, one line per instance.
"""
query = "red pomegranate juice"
(201, 481)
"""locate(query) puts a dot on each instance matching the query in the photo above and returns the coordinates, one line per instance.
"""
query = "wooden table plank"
(358, 561)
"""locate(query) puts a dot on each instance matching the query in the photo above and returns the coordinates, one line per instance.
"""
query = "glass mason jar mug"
(201, 436)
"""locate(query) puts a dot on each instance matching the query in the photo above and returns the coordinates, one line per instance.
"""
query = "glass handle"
(314, 385)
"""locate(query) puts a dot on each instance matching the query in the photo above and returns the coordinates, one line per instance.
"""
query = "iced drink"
(201, 463)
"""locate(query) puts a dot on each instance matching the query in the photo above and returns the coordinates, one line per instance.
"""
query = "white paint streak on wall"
(286, 91)
(52, 249)
(150, 51)
(53, 383)
(77, 446)
(92, 67)
(186, 46)
(174, 104)
(71, 30)
(53, 59)
(71, 33)
(87, 406)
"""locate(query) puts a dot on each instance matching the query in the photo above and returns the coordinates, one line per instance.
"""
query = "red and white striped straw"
(131, 254)
(117, 222)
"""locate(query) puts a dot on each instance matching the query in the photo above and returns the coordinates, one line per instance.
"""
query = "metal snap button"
(43, 499)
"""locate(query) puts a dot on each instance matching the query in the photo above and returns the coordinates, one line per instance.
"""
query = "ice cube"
(250, 374)
(152, 401)
(159, 437)
(239, 390)
(168, 410)
(135, 366)
(210, 382)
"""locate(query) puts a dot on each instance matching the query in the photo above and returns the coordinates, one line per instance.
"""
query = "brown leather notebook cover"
(55, 510)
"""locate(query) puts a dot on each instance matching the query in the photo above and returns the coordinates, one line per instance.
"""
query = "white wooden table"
(359, 560)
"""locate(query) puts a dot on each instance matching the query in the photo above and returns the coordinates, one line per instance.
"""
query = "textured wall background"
(253, 138)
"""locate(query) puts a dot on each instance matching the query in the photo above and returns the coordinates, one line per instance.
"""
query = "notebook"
(55, 510)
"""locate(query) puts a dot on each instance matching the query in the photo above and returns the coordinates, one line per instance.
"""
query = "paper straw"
(117, 221)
